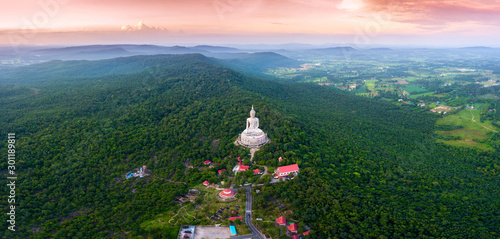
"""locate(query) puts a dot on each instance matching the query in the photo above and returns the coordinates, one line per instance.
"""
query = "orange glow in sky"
(328, 21)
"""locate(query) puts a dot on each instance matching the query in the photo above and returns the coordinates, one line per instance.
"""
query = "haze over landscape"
(250, 119)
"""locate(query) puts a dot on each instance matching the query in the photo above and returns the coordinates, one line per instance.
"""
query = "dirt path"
(176, 213)
(189, 214)
(252, 153)
(265, 170)
(473, 120)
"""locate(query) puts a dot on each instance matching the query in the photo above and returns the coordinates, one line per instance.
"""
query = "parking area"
(211, 232)
(187, 232)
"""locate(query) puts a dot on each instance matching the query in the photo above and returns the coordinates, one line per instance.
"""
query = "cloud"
(438, 12)
(140, 26)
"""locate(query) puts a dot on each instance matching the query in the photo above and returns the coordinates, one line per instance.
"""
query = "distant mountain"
(380, 49)
(215, 49)
(335, 49)
(258, 63)
(476, 48)
(97, 52)
(251, 63)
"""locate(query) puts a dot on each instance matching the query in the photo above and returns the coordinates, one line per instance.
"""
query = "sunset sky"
(189, 22)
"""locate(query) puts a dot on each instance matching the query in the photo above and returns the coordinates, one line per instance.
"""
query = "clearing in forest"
(472, 131)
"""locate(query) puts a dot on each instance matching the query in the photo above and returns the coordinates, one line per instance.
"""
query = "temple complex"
(252, 136)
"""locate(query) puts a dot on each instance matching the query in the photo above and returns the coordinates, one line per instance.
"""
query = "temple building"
(286, 170)
(252, 136)
(226, 193)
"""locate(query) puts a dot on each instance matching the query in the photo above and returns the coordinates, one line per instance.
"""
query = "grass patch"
(470, 133)
(413, 89)
(468, 144)
(488, 96)
(418, 95)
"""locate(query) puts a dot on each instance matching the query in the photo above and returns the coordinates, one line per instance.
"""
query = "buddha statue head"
(252, 113)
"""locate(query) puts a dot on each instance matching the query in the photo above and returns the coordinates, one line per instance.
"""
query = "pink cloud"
(140, 26)
(439, 12)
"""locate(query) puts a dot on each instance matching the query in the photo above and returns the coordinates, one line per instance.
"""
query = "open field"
(413, 89)
(415, 96)
(465, 143)
(473, 130)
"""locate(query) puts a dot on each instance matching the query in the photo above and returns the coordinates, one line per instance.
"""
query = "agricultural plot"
(420, 95)
(413, 89)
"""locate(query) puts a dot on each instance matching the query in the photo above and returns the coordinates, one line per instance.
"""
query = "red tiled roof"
(295, 237)
(206, 183)
(244, 168)
(293, 227)
(226, 192)
(234, 218)
(288, 168)
(207, 162)
(281, 220)
(238, 158)
(306, 233)
(256, 171)
(221, 170)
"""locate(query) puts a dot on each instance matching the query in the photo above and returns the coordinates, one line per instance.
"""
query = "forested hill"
(368, 168)
(75, 70)
(250, 63)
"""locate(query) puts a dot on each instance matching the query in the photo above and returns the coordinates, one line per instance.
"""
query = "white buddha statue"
(252, 136)
(253, 124)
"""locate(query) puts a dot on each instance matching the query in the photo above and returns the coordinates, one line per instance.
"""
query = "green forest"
(369, 168)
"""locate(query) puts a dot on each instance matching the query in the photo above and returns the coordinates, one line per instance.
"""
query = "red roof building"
(293, 227)
(286, 170)
(207, 162)
(256, 171)
(234, 218)
(226, 193)
(295, 237)
(306, 233)
(244, 168)
(206, 183)
(221, 170)
(281, 221)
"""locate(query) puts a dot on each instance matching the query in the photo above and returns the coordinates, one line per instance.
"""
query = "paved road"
(248, 219)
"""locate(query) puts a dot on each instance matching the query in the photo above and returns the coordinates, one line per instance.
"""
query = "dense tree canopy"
(368, 168)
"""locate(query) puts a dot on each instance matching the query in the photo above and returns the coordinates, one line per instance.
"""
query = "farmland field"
(413, 89)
